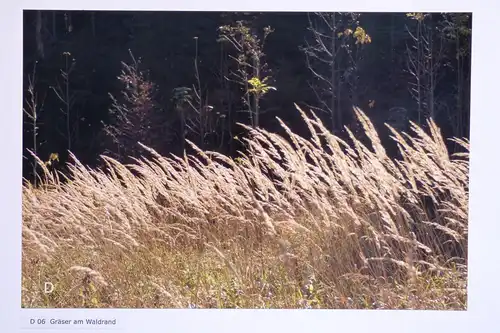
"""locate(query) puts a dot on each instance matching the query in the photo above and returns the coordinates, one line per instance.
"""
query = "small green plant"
(54, 157)
(259, 88)
(361, 36)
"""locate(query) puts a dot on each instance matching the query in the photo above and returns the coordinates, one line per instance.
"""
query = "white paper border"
(483, 302)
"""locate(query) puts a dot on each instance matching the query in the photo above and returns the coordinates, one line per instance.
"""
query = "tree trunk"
(183, 131)
(256, 64)
(393, 29)
(67, 102)
(419, 71)
(333, 110)
(38, 34)
(430, 102)
(459, 125)
(92, 20)
(54, 25)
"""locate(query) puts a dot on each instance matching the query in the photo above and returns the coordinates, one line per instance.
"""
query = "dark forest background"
(98, 82)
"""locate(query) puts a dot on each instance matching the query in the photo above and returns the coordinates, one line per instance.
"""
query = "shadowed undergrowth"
(294, 222)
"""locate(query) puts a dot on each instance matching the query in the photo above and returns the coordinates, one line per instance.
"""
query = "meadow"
(294, 222)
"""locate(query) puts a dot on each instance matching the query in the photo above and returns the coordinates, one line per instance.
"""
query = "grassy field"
(296, 222)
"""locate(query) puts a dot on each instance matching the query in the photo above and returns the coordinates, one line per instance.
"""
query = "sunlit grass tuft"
(294, 223)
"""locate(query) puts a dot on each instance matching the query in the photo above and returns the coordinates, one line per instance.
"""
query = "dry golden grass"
(294, 223)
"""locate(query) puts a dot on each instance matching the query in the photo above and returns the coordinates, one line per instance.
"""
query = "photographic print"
(245, 160)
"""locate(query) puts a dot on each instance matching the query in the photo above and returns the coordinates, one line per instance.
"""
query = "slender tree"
(251, 66)
(32, 112)
(66, 96)
(38, 34)
(457, 31)
(333, 52)
(425, 56)
(135, 114)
